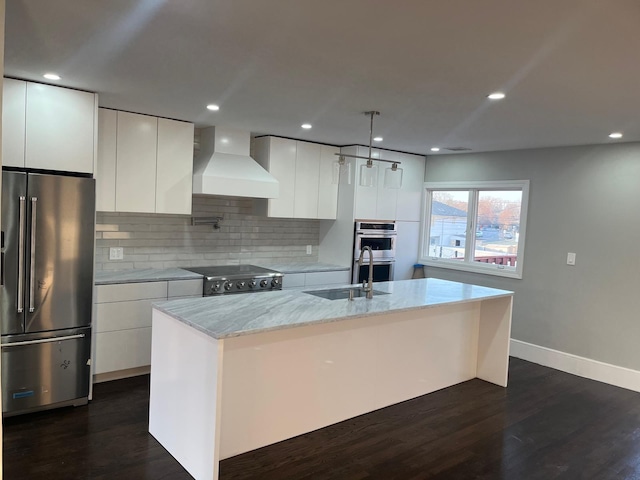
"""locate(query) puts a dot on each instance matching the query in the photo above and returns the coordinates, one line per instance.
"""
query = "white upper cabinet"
(307, 180)
(281, 163)
(136, 151)
(327, 191)
(106, 164)
(410, 195)
(380, 203)
(48, 128)
(174, 169)
(145, 164)
(304, 171)
(14, 104)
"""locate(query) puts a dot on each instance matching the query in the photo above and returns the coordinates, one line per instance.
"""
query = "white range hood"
(224, 167)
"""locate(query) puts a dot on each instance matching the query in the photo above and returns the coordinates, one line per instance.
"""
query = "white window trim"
(465, 265)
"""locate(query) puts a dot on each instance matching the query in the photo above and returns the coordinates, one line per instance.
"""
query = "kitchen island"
(233, 373)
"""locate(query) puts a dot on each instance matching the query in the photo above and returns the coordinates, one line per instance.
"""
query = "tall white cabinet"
(174, 166)
(145, 164)
(305, 173)
(136, 152)
(380, 203)
(356, 202)
(48, 127)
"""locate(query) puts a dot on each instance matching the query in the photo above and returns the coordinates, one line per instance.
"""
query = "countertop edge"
(324, 320)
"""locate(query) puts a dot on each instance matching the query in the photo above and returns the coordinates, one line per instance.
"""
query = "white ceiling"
(570, 68)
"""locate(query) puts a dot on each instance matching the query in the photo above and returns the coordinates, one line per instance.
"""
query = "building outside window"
(475, 226)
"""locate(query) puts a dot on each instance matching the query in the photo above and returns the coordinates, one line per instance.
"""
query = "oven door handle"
(376, 235)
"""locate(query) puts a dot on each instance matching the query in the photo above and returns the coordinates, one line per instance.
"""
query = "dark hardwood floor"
(545, 425)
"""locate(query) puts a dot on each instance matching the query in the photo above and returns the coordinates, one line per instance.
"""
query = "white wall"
(584, 200)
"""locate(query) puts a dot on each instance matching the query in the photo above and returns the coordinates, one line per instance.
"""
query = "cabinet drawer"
(185, 288)
(122, 350)
(292, 280)
(123, 315)
(327, 278)
(123, 292)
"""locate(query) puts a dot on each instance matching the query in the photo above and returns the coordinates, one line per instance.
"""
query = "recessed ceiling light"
(51, 76)
(615, 135)
(435, 149)
(306, 126)
(377, 139)
(213, 107)
(495, 96)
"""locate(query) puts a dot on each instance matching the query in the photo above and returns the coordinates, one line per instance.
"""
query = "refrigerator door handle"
(32, 285)
(21, 215)
(42, 340)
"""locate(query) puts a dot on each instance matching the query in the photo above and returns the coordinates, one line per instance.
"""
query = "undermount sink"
(343, 293)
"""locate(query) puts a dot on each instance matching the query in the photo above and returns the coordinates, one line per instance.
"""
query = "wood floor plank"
(546, 425)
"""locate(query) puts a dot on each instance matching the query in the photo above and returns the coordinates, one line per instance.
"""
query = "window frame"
(467, 264)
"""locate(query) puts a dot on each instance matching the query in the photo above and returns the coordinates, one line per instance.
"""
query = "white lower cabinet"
(316, 279)
(122, 324)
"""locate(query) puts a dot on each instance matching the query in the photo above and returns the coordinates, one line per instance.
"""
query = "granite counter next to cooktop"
(144, 275)
(108, 277)
(303, 267)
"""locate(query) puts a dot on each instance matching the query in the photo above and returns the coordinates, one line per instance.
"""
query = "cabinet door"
(136, 163)
(122, 350)
(14, 99)
(282, 165)
(185, 288)
(174, 173)
(366, 197)
(59, 129)
(122, 324)
(292, 280)
(407, 246)
(386, 198)
(410, 194)
(106, 164)
(307, 180)
(341, 277)
(327, 190)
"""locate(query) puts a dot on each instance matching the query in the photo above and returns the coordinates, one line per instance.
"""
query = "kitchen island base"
(215, 398)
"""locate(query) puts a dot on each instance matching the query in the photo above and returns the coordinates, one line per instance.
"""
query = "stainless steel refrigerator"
(46, 297)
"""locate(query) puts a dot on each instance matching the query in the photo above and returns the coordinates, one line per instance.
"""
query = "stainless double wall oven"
(381, 237)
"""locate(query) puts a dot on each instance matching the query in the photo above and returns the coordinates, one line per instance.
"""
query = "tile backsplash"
(164, 241)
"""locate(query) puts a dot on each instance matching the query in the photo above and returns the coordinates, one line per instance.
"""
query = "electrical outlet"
(116, 253)
(309, 249)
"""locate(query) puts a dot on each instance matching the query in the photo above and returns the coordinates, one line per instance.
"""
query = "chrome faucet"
(368, 285)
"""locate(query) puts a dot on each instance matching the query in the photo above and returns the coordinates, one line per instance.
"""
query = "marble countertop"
(234, 315)
(144, 275)
(303, 267)
(161, 275)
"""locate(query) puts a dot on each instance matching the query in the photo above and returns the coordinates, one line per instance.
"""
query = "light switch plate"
(116, 253)
(309, 249)
(571, 258)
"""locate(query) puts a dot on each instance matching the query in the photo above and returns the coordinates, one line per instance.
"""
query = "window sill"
(473, 267)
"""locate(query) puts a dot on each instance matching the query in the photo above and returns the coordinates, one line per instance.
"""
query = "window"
(475, 226)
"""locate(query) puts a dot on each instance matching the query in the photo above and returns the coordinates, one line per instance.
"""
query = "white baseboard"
(581, 366)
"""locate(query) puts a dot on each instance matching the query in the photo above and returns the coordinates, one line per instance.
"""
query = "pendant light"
(369, 171)
(341, 171)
